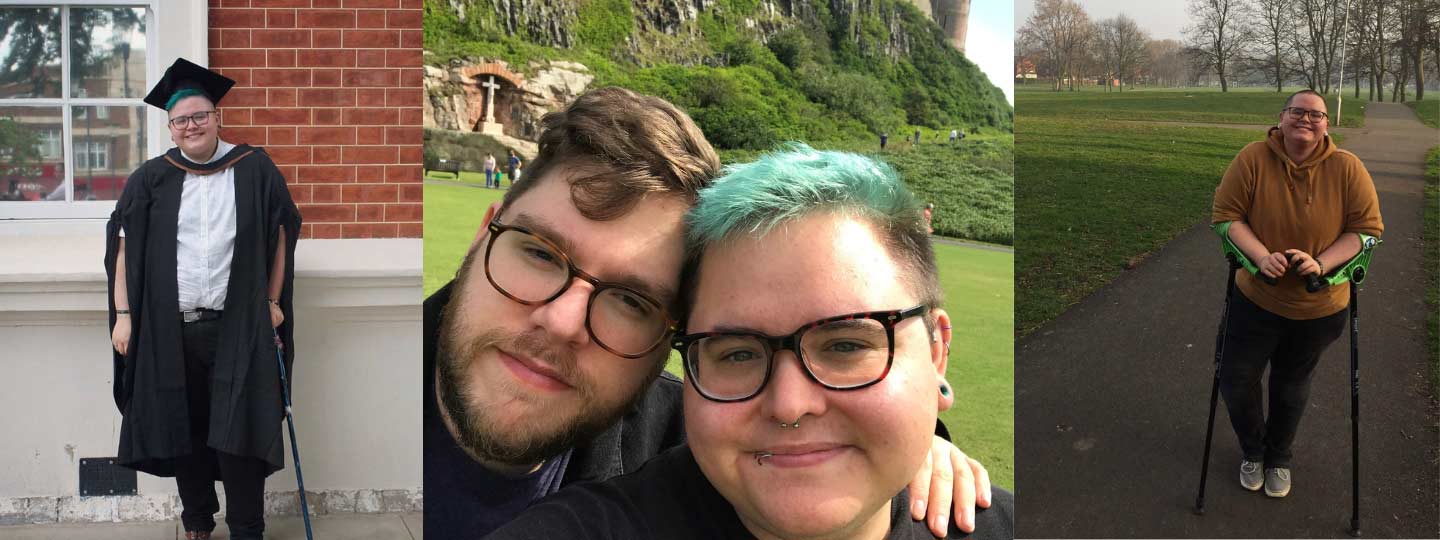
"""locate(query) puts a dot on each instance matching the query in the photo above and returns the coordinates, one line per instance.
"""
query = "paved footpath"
(332, 526)
(1112, 396)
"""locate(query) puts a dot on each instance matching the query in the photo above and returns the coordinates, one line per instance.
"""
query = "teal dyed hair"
(797, 181)
(182, 94)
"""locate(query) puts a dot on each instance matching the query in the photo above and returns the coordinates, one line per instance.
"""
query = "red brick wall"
(331, 89)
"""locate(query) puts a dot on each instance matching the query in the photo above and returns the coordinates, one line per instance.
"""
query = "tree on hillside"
(1272, 24)
(1218, 34)
(1122, 45)
(1060, 31)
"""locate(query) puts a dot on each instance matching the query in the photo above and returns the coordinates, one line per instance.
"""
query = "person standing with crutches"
(200, 257)
(1298, 207)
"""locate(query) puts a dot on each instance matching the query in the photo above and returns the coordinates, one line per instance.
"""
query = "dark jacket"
(651, 426)
(671, 498)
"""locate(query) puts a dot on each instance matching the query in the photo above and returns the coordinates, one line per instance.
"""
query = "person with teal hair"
(814, 344)
(199, 258)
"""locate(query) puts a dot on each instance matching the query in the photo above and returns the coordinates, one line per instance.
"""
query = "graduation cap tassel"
(294, 446)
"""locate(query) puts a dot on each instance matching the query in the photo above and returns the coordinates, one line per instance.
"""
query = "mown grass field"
(979, 295)
(971, 182)
(1428, 110)
(1097, 194)
(1238, 106)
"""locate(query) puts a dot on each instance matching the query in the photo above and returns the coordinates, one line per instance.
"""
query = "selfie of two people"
(541, 375)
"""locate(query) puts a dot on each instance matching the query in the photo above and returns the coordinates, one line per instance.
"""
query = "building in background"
(331, 89)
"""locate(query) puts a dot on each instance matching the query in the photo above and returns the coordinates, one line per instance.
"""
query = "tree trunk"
(1419, 57)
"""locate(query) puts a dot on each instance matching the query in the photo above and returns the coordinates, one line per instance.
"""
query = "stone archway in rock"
(491, 92)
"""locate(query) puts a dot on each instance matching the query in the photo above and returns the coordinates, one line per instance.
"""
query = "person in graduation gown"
(815, 351)
(200, 258)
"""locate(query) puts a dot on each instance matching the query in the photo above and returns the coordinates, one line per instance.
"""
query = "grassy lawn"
(979, 296)
(468, 177)
(1428, 110)
(452, 215)
(1099, 195)
(1238, 106)
(971, 183)
(1431, 240)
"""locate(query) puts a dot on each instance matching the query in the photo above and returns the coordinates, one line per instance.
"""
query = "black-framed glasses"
(845, 352)
(1311, 115)
(200, 119)
(532, 270)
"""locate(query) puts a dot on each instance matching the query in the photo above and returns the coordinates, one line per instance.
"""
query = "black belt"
(200, 315)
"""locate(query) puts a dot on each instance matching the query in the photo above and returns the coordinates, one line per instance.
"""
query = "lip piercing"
(760, 458)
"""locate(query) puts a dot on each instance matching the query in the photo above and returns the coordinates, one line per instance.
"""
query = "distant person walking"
(514, 168)
(954, 135)
(929, 208)
(490, 171)
(917, 138)
(884, 137)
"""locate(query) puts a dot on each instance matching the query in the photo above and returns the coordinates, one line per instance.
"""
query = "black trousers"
(1254, 338)
(195, 474)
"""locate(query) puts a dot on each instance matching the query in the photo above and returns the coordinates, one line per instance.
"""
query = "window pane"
(29, 52)
(107, 52)
(32, 166)
(109, 145)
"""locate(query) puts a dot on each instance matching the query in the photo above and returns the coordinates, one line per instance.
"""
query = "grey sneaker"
(1277, 482)
(1250, 476)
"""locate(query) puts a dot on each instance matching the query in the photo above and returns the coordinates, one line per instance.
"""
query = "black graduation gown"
(246, 405)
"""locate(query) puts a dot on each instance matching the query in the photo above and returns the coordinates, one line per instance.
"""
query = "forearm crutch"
(1236, 261)
(1355, 272)
(294, 445)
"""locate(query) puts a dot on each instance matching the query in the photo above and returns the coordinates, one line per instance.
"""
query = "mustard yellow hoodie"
(1305, 206)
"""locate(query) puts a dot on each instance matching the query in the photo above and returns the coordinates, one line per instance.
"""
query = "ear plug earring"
(945, 389)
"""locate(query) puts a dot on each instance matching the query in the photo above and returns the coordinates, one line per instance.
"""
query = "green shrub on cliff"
(831, 64)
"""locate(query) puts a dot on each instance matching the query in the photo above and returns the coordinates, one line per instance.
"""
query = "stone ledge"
(167, 507)
(64, 273)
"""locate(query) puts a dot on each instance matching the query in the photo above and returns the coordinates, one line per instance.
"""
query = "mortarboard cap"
(184, 74)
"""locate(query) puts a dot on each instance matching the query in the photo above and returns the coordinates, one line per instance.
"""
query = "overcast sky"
(1163, 19)
(990, 42)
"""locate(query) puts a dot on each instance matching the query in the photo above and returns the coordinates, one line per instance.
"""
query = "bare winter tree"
(1060, 30)
(1218, 33)
(1122, 46)
(1272, 25)
(1167, 63)
(1416, 20)
(1319, 36)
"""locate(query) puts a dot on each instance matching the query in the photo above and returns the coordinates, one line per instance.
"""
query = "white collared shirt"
(205, 239)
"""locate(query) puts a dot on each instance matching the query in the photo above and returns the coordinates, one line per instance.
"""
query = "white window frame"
(93, 149)
(180, 29)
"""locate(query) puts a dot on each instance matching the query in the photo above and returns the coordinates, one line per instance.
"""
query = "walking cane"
(294, 445)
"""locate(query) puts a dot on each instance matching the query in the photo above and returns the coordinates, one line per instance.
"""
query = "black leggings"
(195, 474)
(1253, 338)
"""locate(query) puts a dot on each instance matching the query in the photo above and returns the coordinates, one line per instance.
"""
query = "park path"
(1112, 395)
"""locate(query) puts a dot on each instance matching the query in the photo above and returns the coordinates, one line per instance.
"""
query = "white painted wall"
(356, 382)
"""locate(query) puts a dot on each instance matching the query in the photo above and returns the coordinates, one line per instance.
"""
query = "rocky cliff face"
(455, 97)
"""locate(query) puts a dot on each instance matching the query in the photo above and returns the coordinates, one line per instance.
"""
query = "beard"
(522, 443)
